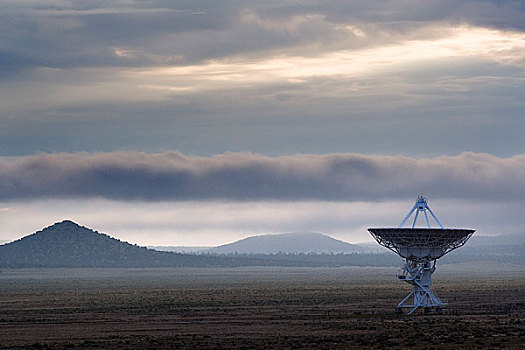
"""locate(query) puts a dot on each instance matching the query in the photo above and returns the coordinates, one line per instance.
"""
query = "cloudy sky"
(201, 122)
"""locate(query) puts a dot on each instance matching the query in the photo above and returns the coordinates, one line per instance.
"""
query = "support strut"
(419, 275)
(421, 205)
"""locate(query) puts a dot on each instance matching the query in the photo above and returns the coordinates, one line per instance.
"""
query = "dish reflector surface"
(421, 243)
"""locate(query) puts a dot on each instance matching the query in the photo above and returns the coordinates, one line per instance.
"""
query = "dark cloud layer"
(246, 176)
(271, 77)
(64, 34)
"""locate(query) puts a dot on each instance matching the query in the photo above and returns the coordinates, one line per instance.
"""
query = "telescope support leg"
(421, 280)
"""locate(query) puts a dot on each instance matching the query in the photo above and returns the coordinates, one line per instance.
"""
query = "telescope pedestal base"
(421, 280)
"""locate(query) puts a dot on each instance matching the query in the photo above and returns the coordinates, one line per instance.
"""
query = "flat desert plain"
(283, 308)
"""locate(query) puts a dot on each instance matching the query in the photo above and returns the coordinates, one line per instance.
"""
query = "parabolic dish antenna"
(420, 247)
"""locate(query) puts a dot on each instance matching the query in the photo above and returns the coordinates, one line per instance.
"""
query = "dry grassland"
(256, 308)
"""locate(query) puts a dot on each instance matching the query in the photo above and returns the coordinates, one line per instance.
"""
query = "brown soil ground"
(256, 308)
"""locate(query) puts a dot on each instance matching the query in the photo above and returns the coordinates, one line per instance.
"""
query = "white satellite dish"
(420, 247)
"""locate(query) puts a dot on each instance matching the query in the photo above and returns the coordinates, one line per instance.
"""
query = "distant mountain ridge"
(295, 242)
(509, 239)
(66, 244)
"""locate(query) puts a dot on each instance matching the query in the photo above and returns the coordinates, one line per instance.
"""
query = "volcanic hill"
(66, 244)
(296, 242)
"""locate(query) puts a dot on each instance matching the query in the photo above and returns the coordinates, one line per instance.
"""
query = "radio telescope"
(420, 247)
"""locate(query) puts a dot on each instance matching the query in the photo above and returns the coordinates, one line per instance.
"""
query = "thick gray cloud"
(65, 34)
(245, 176)
(272, 77)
